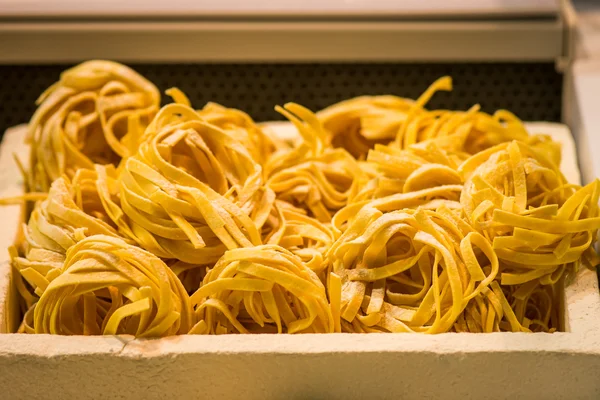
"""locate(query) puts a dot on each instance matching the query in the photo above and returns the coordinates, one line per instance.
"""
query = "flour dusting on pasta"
(379, 215)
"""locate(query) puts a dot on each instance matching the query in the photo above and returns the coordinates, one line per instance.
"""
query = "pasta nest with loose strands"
(378, 215)
(242, 127)
(264, 289)
(520, 201)
(109, 287)
(417, 271)
(429, 198)
(192, 190)
(236, 122)
(390, 170)
(542, 228)
(71, 211)
(312, 176)
(95, 113)
(464, 133)
(362, 123)
(306, 237)
(467, 131)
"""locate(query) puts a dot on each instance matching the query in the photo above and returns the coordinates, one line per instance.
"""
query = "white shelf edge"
(264, 41)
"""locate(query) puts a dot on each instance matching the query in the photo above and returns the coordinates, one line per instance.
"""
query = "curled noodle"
(192, 190)
(379, 215)
(95, 113)
(262, 289)
(106, 286)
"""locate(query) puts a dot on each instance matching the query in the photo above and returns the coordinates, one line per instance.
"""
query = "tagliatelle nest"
(415, 271)
(390, 170)
(379, 216)
(192, 190)
(96, 113)
(312, 176)
(262, 289)
(538, 223)
(242, 127)
(362, 122)
(71, 212)
(307, 238)
(109, 287)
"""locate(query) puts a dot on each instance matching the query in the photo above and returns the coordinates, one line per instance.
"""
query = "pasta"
(380, 216)
(304, 236)
(96, 113)
(513, 203)
(262, 289)
(362, 123)
(413, 271)
(191, 191)
(71, 212)
(108, 287)
(391, 170)
(312, 176)
(242, 127)
(358, 124)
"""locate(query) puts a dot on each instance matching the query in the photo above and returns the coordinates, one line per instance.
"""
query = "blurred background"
(534, 57)
(253, 55)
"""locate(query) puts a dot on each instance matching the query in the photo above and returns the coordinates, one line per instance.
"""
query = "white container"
(325, 366)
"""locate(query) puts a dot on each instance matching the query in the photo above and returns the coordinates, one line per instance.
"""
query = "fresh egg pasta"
(108, 287)
(95, 113)
(381, 215)
(261, 289)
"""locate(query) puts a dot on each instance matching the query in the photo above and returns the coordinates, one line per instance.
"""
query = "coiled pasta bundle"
(470, 131)
(71, 212)
(191, 191)
(261, 289)
(242, 127)
(236, 122)
(391, 170)
(96, 113)
(539, 224)
(304, 236)
(312, 176)
(362, 122)
(322, 185)
(429, 198)
(416, 271)
(108, 287)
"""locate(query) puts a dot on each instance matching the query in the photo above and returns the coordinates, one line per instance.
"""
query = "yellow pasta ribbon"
(312, 176)
(96, 113)
(381, 215)
(71, 212)
(192, 190)
(261, 289)
(241, 126)
(106, 286)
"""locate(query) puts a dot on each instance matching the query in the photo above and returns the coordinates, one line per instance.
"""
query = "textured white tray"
(334, 366)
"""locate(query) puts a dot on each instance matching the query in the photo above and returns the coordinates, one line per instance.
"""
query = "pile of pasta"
(380, 215)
